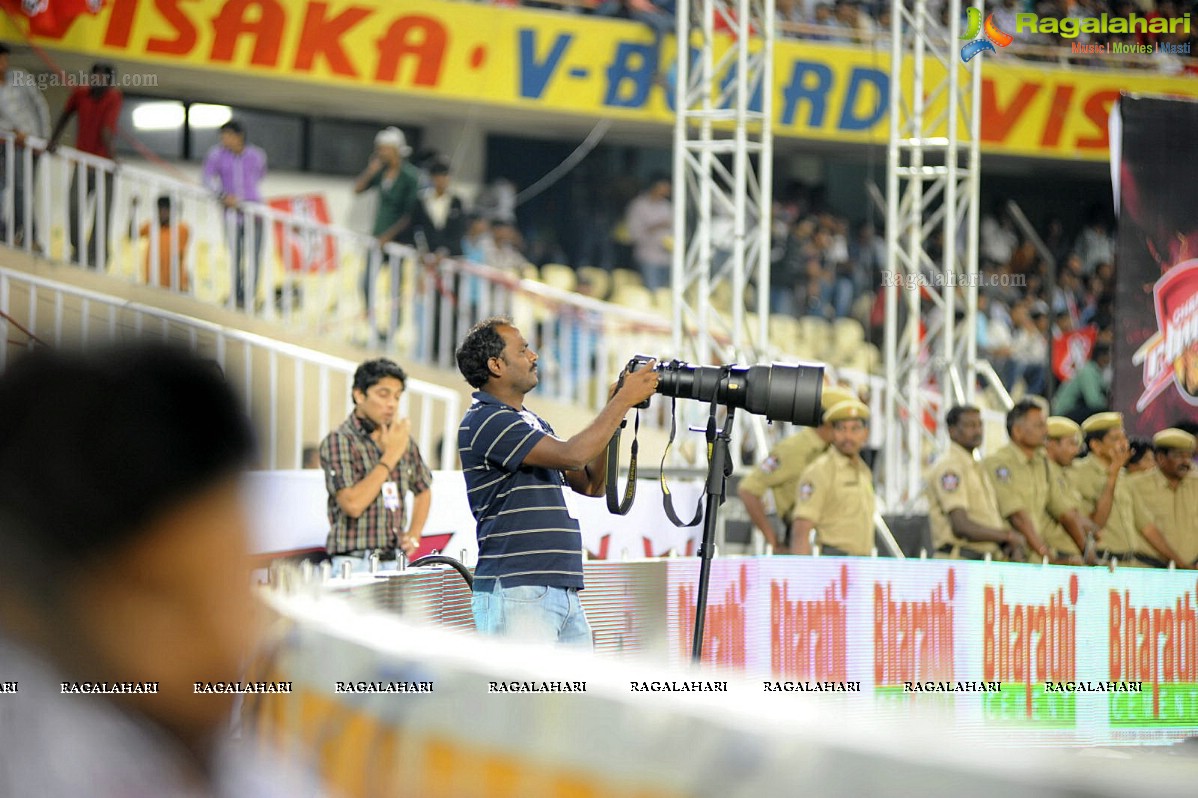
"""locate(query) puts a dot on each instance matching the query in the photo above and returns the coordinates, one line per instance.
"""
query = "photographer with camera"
(530, 549)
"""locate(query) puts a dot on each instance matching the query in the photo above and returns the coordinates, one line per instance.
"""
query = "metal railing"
(293, 395)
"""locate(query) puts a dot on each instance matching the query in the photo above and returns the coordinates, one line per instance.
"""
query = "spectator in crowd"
(23, 113)
(650, 220)
(370, 464)
(127, 575)
(440, 214)
(478, 246)
(167, 245)
(98, 107)
(1140, 459)
(498, 200)
(398, 185)
(1085, 394)
(1029, 348)
(508, 252)
(234, 170)
(1095, 244)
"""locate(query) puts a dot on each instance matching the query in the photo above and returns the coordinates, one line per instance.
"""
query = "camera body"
(636, 363)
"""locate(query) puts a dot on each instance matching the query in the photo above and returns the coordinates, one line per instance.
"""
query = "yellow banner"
(552, 61)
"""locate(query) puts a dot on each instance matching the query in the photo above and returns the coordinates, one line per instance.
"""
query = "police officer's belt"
(963, 552)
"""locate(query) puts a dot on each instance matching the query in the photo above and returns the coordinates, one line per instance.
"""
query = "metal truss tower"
(931, 237)
(723, 171)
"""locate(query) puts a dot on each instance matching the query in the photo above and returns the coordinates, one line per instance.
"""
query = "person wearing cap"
(398, 185)
(397, 181)
(779, 473)
(440, 214)
(966, 521)
(234, 170)
(1028, 497)
(1171, 490)
(1129, 530)
(835, 496)
(1061, 448)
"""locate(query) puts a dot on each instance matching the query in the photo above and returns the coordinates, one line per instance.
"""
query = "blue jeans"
(533, 614)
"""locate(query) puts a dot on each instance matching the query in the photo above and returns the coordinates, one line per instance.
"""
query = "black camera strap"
(614, 505)
(667, 497)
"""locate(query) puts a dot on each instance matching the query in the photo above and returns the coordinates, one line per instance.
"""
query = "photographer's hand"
(638, 385)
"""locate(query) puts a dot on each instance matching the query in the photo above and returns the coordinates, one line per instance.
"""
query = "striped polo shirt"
(526, 535)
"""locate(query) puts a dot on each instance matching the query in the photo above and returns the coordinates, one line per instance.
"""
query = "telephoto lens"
(778, 392)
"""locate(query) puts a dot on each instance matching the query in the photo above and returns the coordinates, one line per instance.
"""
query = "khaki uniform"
(957, 481)
(836, 494)
(1026, 483)
(782, 469)
(1129, 514)
(1175, 509)
(1055, 534)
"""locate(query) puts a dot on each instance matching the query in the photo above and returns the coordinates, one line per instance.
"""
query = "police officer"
(1028, 497)
(966, 522)
(1062, 446)
(781, 470)
(1129, 532)
(1171, 490)
(836, 492)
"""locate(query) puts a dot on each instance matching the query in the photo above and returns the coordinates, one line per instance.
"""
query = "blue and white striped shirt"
(526, 535)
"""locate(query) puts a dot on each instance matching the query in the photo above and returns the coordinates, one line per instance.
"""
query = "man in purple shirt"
(234, 170)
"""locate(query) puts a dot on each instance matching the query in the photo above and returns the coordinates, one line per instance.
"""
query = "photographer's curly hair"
(482, 343)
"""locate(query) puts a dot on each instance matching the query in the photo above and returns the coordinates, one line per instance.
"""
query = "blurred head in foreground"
(122, 529)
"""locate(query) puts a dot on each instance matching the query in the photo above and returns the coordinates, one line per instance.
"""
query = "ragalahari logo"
(982, 38)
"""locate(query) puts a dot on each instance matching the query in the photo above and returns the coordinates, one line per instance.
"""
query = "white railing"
(294, 395)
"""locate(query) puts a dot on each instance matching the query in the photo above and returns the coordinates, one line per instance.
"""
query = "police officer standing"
(836, 492)
(1171, 490)
(1129, 532)
(1028, 497)
(966, 522)
(781, 470)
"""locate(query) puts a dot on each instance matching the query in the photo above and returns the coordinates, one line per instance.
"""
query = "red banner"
(299, 247)
(1071, 350)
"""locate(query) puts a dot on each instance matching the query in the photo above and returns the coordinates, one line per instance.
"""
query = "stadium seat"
(663, 301)
(816, 336)
(785, 333)
(600, 280)
(529, 272)
(636, 297)
(623, 277)
(557, 275)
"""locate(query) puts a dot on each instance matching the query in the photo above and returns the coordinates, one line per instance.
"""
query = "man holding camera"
(370, 464)
(529, 546)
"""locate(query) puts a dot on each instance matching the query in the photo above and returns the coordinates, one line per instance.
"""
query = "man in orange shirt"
(171, 241)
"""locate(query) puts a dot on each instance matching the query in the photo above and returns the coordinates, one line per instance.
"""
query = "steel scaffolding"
(931, 237)
(722, 181)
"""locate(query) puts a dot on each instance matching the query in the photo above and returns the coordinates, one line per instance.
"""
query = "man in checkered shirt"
(370, 464)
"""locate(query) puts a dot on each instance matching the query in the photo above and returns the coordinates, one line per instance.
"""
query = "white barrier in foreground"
(455, 735)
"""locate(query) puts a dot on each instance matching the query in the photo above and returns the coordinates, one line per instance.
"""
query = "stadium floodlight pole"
(932, 186)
